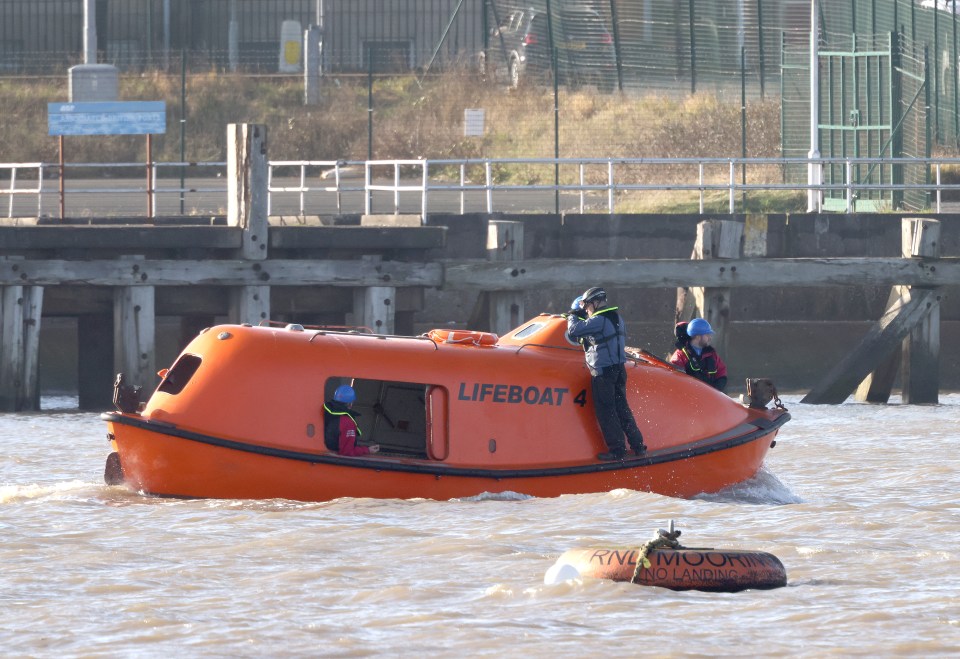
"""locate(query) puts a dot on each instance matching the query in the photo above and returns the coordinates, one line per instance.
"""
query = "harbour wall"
(792, 334)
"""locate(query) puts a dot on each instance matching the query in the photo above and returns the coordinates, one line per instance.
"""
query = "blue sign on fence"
(115, 118)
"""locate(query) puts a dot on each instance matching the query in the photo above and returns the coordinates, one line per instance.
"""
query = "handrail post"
(849, 174)
(733, 187)
(40, 191)
(938, 187)
(700, 167)
(154, 196)
(13, 186)
(462, 191)
(489, 184)
(396, 186)
(610, 186)
(423, 198)
(269, 185)
(581, 187)
(336, 178)
(367, 192)
(303, 185)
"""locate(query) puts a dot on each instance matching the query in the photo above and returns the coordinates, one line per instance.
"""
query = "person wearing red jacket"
(695, 356)
(340, 431)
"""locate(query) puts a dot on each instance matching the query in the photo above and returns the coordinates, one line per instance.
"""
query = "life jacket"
(706, 366)
(603, 337)
(334, 411)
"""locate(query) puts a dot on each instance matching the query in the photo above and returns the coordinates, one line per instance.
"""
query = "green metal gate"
(874, 103)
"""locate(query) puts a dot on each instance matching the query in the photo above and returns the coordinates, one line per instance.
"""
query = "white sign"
(473, 122)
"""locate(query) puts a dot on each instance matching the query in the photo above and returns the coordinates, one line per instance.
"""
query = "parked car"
(519, 49)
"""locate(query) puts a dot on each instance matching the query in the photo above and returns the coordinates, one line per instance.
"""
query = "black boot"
(609, 456)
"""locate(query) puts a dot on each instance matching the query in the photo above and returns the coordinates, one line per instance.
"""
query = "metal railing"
(476, 185)
(432, 177)
(12, 190)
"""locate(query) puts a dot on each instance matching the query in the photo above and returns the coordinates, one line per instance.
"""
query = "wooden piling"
(20, 312)
(918, 356)
(920, 359)
(134, 335)
(716, 239)
(247, 195)
(505, 245)
(375, 307)
(249, 304)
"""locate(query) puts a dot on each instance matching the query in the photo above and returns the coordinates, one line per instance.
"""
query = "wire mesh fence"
(726, 78)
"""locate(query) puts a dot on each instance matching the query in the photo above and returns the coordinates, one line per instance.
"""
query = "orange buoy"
(664, 563)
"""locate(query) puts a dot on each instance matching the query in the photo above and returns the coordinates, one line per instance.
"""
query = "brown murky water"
(859, 502)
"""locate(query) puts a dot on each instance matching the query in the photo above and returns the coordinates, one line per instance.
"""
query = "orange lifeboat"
(663, 562)
(239, 414)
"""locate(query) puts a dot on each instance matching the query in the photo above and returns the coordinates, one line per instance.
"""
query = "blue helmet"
(345, 394)
(698, 326)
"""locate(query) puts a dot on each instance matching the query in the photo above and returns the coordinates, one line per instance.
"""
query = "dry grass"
(410, 121)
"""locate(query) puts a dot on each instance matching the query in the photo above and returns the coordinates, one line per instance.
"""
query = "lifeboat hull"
(713, 570)
(240, 415)
(165, 461)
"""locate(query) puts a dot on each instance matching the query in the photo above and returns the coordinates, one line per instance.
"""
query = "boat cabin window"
(405, 418)
(177, 377)
(532, 328)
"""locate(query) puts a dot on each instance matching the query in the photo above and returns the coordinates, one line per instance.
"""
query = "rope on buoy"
(664, 539)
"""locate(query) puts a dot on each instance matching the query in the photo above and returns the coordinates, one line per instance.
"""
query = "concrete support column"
(505, 244)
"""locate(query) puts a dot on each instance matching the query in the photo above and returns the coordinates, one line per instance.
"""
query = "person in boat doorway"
(601, 331)
(340, 431)
(695, 356)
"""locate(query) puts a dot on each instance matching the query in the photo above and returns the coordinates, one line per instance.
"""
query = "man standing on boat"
(601, 331)
(340, 431)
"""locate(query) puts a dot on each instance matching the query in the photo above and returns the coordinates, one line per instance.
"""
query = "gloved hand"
(577, 313)
(576, 303)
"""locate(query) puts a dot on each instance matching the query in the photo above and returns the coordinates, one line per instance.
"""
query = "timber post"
(505, 244)
(920, 359)
(375, 306)
(20, 311)
(910, 326)
(919, 354)
(134, 331)
(716, 239)
(247, 195)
